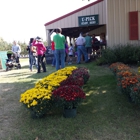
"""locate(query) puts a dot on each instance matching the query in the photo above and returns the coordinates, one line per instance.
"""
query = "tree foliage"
(5, 46)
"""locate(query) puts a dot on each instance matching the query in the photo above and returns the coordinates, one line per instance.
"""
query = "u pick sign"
(88, 20)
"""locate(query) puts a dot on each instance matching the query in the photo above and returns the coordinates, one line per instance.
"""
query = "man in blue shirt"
(16, 49)
(80, 42)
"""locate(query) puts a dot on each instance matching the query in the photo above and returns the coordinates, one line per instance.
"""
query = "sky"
(23, 19)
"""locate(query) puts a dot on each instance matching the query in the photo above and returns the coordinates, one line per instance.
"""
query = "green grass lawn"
(105, 114)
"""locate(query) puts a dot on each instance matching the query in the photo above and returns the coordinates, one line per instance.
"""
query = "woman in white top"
(70, 53)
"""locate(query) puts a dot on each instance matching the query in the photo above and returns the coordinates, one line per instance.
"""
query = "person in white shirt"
(16, 49)
(70, 53)
(80, 42)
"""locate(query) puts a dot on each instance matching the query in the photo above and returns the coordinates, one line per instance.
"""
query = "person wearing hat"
(41, 50)
(88, 45)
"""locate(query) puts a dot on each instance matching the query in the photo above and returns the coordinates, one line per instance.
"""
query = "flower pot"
(69, 113)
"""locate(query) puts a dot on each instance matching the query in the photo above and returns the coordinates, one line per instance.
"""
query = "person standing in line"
(80, 42)
(102, 39)
(70, 53)
(16, 49)
(66, 50)
(95, 44)
(33, 55)
(88, 45)
(59, 41)
(53, 51)
(41, 50)
(102, 43)
(28, 49)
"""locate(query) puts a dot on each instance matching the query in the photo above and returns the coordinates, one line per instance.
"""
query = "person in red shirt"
(53, 51)
(41, 50)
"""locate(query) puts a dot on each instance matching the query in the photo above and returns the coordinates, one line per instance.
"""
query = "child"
(70, 53)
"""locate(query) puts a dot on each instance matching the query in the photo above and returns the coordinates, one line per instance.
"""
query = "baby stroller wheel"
(19, 66)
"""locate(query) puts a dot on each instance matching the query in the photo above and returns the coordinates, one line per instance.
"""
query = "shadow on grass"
(102, 95)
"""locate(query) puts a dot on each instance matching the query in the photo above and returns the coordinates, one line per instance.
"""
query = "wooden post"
(48, 37)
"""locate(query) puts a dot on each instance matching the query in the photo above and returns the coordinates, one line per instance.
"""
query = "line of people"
(85, 46)
(62, 52)
(89, 45)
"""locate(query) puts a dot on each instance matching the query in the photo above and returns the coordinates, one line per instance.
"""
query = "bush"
(127, 54)
(128, 81)
(135, 94)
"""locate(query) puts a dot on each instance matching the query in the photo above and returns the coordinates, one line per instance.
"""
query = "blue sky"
(23, 19)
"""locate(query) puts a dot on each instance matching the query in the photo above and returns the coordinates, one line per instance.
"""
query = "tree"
(5, 46)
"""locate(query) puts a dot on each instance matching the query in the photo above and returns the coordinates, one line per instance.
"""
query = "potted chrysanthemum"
(135, 94)
(38, 101)
(73, 80)
(68, 97)
(81, 72)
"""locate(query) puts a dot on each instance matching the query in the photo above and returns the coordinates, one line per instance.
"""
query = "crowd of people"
(83, 47)
(62, 52)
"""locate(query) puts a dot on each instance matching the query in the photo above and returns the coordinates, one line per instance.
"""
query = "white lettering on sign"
(92, 22)
(82, 19)
(84, 23)
(88, 18)
(92, 18)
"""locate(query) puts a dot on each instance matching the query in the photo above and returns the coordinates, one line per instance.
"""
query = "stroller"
(11, 62)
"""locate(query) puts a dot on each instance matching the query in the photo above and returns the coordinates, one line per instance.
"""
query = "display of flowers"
(128, 81)
(39, 99)
(124, 73)
(117, 67)
(81, 72)
(53, 80)
(135, 94)
(73, 80)
(68, 96)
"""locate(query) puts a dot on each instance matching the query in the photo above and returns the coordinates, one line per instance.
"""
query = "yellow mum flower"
(43, 88)
(34, 103)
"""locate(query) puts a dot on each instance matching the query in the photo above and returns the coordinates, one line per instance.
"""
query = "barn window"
(133, 25)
